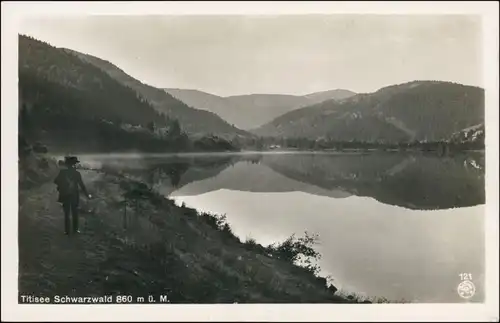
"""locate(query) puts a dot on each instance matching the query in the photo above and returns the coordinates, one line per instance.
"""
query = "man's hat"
(71, 160)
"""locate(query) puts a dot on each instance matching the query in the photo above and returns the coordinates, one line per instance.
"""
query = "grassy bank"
(136, 242)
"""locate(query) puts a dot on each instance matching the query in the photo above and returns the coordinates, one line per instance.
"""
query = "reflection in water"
(395, 225)
(410, 181)
(416, 182)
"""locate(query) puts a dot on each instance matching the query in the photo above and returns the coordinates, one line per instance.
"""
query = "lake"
(402, 226)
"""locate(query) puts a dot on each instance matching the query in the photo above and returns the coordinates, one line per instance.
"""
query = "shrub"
(299, 251)
(250, 242)
(216, 221)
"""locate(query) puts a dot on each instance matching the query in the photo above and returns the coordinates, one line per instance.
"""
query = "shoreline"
(136, 239)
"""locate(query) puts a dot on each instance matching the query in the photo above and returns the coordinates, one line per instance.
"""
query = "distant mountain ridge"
(337, 94)
(419, 110)
(252, 110)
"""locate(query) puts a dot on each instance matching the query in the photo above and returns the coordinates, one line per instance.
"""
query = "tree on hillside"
(151, 126)
(175, 129)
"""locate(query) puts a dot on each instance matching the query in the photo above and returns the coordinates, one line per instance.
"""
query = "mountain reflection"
(414, 181)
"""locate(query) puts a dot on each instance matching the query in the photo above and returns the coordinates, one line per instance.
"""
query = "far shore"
(137, 154)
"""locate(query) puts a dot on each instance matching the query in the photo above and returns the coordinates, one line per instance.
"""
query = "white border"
(11, 311)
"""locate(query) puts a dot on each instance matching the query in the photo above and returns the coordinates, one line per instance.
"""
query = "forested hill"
(193, 121)
(419, 110)
(42, 67)
(68, 103)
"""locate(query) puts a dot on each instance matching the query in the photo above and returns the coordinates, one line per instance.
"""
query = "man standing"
(69, 182)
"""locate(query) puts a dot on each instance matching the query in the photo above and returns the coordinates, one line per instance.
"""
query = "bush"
(215, 221)
(299, 251)
(250, 242)
(190, 212)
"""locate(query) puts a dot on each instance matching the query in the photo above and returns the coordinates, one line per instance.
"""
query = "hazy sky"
(228, 55)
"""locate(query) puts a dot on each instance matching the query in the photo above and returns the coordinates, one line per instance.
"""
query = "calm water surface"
(393, 225)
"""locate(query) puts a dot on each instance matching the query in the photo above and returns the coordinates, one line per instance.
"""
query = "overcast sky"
(229, 55)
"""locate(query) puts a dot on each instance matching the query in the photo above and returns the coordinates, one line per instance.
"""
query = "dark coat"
(69, 183)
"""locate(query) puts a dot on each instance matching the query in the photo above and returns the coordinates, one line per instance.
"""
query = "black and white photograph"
(228, 159)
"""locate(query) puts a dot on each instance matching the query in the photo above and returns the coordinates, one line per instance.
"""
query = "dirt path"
(57, 262)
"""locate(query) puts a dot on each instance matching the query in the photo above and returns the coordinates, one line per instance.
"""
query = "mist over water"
(393, 225)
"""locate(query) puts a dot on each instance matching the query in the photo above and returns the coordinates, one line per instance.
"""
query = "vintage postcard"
(250, 161)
